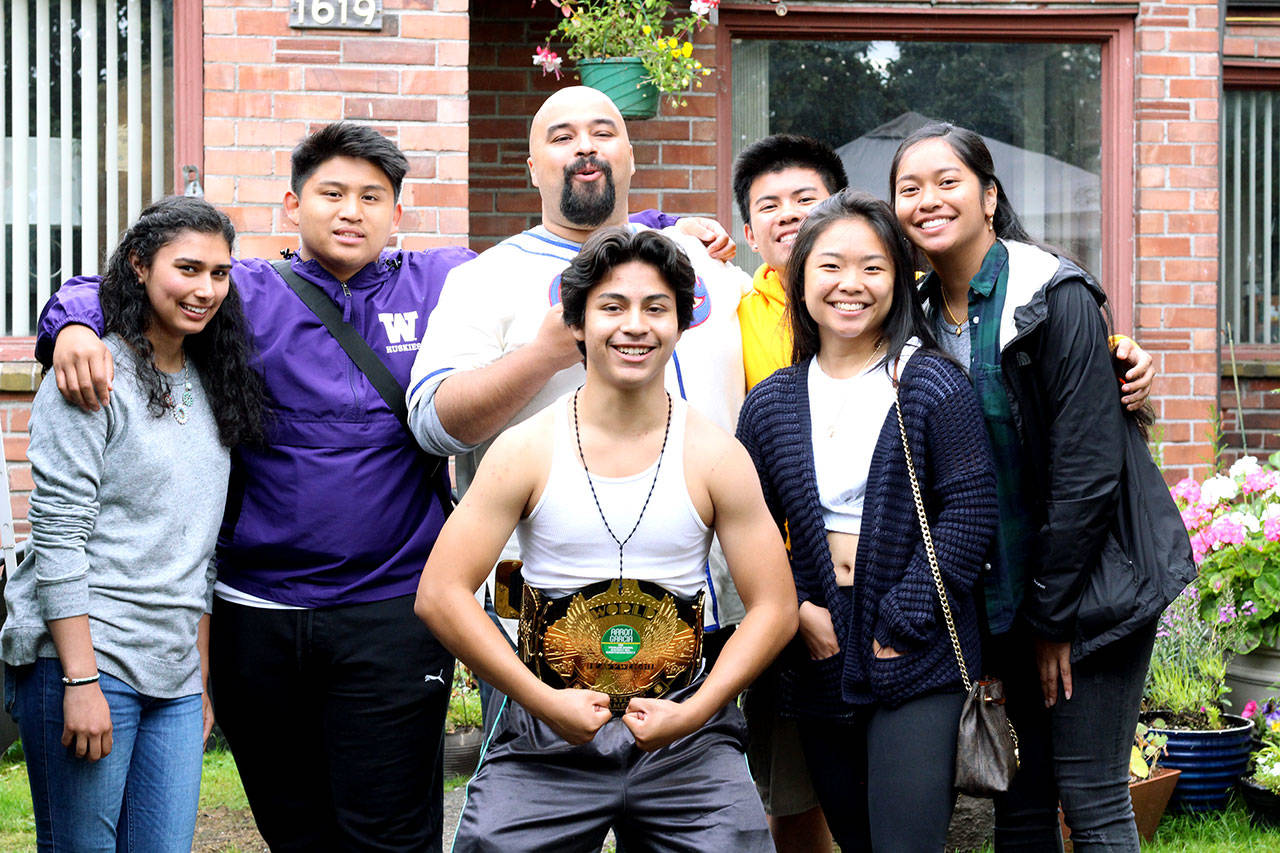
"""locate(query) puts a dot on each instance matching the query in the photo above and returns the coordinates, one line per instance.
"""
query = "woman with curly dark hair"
(108, 627)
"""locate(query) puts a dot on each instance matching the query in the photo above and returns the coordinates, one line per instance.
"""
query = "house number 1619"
(336, 14)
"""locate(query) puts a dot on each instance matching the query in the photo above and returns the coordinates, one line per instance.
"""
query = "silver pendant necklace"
(181, 407)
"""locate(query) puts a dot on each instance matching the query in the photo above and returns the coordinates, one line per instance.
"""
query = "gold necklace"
(835, 423)
(946, 306)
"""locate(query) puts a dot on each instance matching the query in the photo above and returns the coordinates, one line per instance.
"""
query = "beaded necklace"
(656, 468)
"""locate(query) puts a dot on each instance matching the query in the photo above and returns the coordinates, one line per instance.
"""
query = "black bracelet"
(79, 682)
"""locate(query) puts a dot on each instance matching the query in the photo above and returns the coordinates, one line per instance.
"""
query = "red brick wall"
(15, 412)
(267, 86)
(675, 153)
(1253, 39)
(1178, 85)
(1259, 415)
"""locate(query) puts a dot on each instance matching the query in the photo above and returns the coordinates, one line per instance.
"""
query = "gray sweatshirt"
(124, 519)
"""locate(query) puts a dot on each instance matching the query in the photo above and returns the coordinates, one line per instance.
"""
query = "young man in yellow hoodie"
(776, 182)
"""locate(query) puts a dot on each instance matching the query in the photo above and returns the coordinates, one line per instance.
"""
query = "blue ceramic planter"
(1211, 762)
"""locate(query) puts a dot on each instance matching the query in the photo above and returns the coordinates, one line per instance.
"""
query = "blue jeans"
(1077, 753)
(142, 796)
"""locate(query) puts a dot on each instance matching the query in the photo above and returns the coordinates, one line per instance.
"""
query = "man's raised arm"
(68, 340)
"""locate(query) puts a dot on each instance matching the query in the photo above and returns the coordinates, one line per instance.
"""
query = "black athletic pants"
(335, 718)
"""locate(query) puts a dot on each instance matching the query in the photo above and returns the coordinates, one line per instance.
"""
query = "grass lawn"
(1220, 832)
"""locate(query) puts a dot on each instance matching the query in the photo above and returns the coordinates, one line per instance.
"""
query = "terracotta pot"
(1150, 796)
(462, 750)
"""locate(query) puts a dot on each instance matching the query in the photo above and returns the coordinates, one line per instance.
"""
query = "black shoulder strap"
(356, 347)
(359, 351)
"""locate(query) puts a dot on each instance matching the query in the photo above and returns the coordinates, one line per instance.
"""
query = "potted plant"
(629, 50)
(1185, 693)
(463, 736)
(1260, 787)
(1233, 518)
(1150, 783)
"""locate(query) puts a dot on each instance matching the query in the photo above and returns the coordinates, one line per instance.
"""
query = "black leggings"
(885, 779)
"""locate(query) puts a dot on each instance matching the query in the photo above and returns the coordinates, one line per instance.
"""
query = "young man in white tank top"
(616, 489)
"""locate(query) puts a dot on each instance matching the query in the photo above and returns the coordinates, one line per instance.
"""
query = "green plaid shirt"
(1004, 576)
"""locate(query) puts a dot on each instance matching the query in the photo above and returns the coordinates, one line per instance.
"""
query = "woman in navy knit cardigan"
(872, 674)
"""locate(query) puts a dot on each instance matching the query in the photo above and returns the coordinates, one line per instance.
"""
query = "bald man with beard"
(496, 349)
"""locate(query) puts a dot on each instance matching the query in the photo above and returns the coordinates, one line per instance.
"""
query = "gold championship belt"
(621, 637)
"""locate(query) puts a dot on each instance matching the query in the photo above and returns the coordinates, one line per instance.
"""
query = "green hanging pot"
(622, 78)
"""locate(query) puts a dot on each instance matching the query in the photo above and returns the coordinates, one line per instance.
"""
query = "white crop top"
(846, 416)
(564, 543)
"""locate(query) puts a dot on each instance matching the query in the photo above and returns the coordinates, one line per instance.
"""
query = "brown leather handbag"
(986, 745)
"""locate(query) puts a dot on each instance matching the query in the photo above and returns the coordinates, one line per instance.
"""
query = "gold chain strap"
(937, 573)
(928, 547)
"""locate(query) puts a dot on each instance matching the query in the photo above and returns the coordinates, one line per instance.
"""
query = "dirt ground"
(222, 829)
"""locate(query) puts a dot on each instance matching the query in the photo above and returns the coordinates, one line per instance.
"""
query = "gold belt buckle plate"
(623, 638)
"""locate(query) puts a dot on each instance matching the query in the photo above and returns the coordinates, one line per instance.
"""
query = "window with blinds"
(88, 137)
(1250, 249)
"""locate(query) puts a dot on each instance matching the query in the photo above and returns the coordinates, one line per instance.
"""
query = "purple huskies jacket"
(338, 507)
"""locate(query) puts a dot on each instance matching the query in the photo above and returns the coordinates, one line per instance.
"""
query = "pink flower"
(1196, 516)
(1271, 529)
(703, 7)
(548, 60)
(565, 9)
(1225, 531)
(1202, 543)
(1187, 490)
(1260, 480)
(1250, 708)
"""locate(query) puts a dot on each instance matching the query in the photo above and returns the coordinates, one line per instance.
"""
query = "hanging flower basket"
(625, 33)
(623, 79)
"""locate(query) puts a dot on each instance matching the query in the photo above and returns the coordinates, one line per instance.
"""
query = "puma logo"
(439, 677)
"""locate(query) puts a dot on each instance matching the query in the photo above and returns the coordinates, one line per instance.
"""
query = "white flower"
(1217, 489)
(1243, 467)
(1271, 511)
(702, 7)
(1247, 520)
